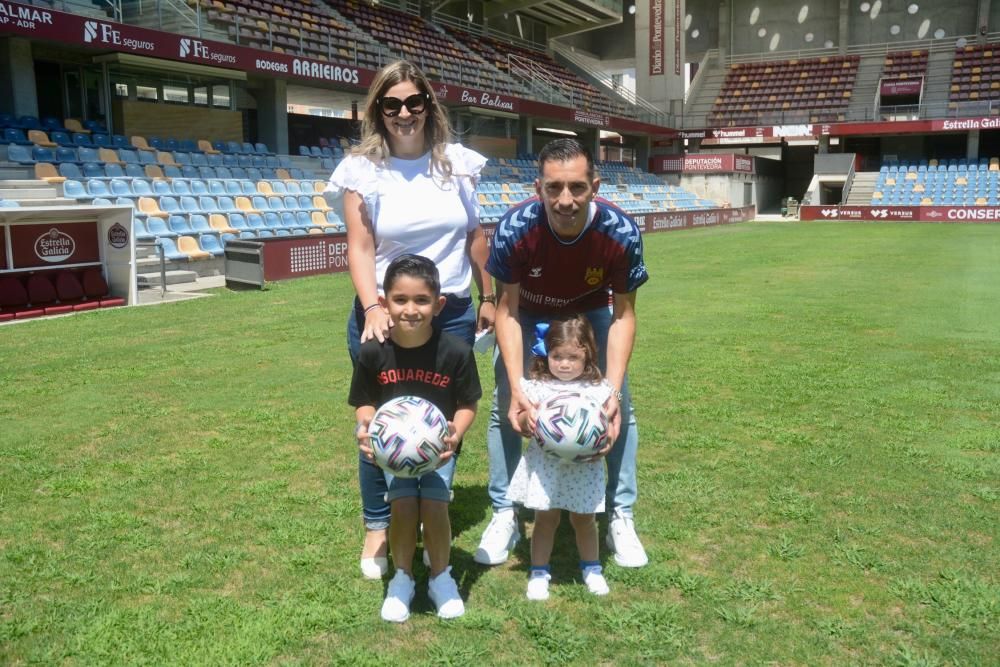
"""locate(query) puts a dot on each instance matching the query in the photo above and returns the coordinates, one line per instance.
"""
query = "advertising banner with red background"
(108, 36)
(902, 213)
(3, 248)
(701, 164)
(907, 87)
(50, 245)
(650, 223)
(296, 257)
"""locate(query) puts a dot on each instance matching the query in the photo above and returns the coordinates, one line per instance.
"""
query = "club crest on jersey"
(535, 272)
(594, 275)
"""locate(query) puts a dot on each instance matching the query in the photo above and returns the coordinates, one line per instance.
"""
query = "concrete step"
(36, 203)
(147, 280)
(29, 193)
(25, 183)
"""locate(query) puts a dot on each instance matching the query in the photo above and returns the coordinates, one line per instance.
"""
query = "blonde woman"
(408, 189)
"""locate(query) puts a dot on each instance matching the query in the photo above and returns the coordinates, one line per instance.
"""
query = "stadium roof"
(563, 17)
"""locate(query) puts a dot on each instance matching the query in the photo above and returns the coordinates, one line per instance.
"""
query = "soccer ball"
(571, 426)
(407, 436)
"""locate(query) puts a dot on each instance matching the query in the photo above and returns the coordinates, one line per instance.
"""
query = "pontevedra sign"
(108, 36)
(710, 163)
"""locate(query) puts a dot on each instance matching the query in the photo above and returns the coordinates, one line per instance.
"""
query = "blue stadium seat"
(13, 135)
(161, 187)
(182, 158)
(234, 147)
(112, 170)
(171, 145)
(74, 189)
(239, 173)
(188, 146)
(254, 221)
(247, 235)
(295, 173)
(211, 244)
(133, 170)
(43, 154)
(249, 148)
(170, 171)
(254, 174)
(278, 187)
(238, 221)
(139, 229)
(267, 233)
(101, 140)
(70, 170)
(224, 173)
(199, 223)
(303, 219)
(120, 141)
(262, 148)
(158, 227)
(282, 232)
(216, 187)
(97, 188)
(88, 154)
(119, 188)
(229, 160)
(214, 160)
(29, 123)
(233, 188)
(82, 139)
(169, 204)
(305, 202)
(180, 225)
(271, 220)
(206, 172)
(226, 204)
(141, 187)
(180, 186)
(304, 151)
(190, 205)
(260, 203)
(291, 203)
(60, 137)
(208, 204)
(128, 155)
(170, 250)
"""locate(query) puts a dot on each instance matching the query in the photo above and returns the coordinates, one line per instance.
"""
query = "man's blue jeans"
(504, 444)
(458, 318)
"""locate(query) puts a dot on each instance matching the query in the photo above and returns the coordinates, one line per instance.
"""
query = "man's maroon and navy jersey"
(558, 277)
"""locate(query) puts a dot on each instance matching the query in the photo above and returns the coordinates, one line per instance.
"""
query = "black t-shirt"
(442, 370)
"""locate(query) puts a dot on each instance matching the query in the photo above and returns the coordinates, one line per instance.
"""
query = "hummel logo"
(535, 272)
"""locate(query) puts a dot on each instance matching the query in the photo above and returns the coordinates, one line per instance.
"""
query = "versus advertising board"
(701, 164)
(650, 223)
(743, 135)
(902, 213)
(46, 24)
(51, 245)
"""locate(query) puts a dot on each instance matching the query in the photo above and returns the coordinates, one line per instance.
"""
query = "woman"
(406, 189)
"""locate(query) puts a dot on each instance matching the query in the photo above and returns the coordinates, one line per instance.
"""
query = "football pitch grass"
(819, 469)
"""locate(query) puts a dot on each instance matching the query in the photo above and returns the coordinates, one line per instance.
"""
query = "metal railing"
(644, 109)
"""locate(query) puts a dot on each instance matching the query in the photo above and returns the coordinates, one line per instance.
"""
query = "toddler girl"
(565, 359)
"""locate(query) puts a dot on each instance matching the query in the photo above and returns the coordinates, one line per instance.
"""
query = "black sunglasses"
(391, 106)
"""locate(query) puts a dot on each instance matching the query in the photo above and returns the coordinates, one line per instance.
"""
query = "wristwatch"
(488, 298)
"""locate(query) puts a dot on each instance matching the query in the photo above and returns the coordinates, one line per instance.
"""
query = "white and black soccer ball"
(407, 436)
(571, 426)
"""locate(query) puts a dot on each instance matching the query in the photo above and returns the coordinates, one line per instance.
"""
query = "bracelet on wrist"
(371, 307)
(488, 298)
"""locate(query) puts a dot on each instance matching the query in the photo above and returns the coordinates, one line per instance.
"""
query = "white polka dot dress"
(543, 481)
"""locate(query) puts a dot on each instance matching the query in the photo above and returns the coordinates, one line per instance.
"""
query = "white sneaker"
(538, 586)
(596, 583)
(443, 592)
(498, 538)
(623, 541)
(398, 596)
(374, 568)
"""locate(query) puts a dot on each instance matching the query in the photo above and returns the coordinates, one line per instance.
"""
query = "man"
(556, 255)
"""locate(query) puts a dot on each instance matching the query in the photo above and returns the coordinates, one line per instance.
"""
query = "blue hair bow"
(538, 349)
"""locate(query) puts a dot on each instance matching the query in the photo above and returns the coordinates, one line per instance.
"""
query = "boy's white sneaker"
(443, 592)
(374, 568)
(595, 581)
(538, 586)
(498, 538)
(398, 596)
(623, 541)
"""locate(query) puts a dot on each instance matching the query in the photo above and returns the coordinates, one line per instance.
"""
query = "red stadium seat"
(70, 291)
(95, 287)
(42, 294)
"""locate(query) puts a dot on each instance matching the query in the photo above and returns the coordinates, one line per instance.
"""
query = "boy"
(448, 378)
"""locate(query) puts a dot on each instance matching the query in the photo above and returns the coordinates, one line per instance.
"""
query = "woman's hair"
(437, 128)
(573, 330)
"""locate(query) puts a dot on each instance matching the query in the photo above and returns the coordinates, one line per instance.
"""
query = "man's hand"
(612, 408)
(487, 316)
(523, 414)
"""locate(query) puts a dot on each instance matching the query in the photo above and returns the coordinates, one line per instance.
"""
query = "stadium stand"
(811, 90)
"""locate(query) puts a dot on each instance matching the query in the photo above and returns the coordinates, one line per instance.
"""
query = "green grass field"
(819, 410)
